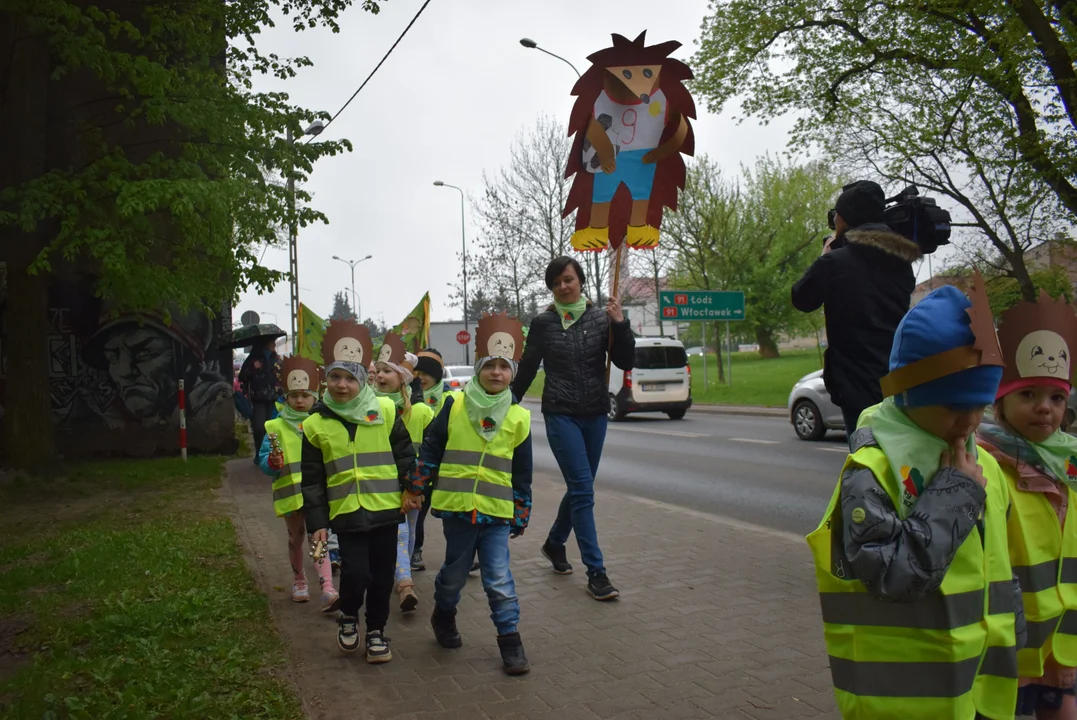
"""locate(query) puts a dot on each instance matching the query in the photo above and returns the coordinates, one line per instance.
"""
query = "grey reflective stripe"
(370, 459)
(1036, 578)
(367, 487)
(1039, 631)
(288, 491)
(904, 679)
(1069, 623)
(468, 485)
(1069, 570)
(934, 612)
(290, 469)
(472, 458)
(1000, 662)
(1000, 599)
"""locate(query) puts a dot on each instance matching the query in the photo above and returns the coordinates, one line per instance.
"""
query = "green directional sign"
(701, 305)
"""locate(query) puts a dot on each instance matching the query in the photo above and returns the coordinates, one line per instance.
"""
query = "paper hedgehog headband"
(984, 351)
(300, 374)
(499, 335)
(347, 341)
(1037, 341)
(392, 350)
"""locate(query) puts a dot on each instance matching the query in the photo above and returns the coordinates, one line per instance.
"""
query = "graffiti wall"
(115, 380)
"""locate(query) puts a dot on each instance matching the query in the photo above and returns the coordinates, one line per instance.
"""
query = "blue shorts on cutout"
(637, 176)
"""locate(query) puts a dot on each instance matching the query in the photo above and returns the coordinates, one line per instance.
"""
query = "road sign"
(249, 318)
(463, 337)
(701, 305)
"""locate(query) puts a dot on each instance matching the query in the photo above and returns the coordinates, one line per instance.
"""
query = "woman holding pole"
(571, 340)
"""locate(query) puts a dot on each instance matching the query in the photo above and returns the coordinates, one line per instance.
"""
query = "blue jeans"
(462, 540)
(576, 442)
(405, 546)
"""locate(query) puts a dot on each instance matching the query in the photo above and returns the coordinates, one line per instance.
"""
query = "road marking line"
(843, 451)
(656, 432)
(757, 442)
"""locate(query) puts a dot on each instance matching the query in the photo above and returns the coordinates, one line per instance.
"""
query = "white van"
(660, 381)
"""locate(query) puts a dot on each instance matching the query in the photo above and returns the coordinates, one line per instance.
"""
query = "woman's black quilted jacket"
(574, 360)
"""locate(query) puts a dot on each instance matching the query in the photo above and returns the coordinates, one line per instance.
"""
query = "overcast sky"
(446, 106)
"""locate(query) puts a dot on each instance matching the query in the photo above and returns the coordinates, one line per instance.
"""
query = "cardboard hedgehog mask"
(300, 374)
(392, 350)
(347, 341)
(499, 336)
(1038, 340)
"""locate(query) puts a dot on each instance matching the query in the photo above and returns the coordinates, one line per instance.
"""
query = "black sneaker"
(474, 567)
(600, 588)
(445, 630)
(348, 633)
(556, 555)
(512, 654)
(417, 564)
(377, 647)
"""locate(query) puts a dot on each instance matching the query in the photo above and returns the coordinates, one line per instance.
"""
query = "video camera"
(919, 219)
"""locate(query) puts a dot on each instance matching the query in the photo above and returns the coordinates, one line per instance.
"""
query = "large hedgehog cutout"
(499, 335)
(631, 124)
(347, 341)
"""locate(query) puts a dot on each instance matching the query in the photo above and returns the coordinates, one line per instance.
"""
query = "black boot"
(445, 629)
(512, 654)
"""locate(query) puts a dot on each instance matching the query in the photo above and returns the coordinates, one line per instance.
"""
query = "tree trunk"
(1024, 280)
(28, 422)
(768, 344)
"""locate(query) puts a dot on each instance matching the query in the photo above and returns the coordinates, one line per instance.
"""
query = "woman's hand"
(613, 309)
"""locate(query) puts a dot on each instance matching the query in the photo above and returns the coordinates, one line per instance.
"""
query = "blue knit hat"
(940, 323)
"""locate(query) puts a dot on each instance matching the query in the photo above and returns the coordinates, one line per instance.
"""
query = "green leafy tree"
(136, 150)
(1004, 292)
(342, 309)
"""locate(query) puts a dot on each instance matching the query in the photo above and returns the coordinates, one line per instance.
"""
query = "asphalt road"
(753, 469)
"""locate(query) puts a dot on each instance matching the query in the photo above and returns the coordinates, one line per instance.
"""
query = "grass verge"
(123, 595)
(755, 381)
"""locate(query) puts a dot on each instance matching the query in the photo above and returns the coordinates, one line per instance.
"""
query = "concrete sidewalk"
(716, 619)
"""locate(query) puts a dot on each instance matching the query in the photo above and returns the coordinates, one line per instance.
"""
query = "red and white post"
(183, 421)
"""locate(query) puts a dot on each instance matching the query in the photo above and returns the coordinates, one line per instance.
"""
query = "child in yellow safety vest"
(430, 372)
(356, 457)
(920, 607)
(300, 378)
(478, 456)
(394, 372)
(1039, 462)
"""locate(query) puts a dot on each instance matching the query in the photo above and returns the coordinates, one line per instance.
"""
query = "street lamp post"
(315, 128)
(463, 245)
(355, 298)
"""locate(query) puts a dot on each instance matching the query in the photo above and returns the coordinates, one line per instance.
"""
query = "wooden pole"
(614, 293)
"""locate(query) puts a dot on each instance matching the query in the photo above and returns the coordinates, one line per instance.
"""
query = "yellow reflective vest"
(1044, 558)
(476, 474)
(417, 421)
(287, 493)
(360, 473)
(949, 654)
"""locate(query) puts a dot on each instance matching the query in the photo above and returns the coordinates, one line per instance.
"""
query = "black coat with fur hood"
(864, 288)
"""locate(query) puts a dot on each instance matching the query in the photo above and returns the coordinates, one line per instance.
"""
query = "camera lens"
(830, 218)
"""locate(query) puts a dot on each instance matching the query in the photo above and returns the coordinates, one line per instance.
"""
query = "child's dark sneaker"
(445, 630)
(417, 564)
(600, 588)
(474, 567)
(377, 647)
(348, 633)
(334, 559)
(556, 555)
(512, 654)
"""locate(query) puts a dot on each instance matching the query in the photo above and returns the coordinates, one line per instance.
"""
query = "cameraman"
(864, 281)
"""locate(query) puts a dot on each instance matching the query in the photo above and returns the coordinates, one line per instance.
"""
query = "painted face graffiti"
(140, 363)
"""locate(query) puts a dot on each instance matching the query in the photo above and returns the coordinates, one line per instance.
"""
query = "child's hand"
(320, 536)
(276, 460)
(964, 462)
(410, 501)
(516, 532)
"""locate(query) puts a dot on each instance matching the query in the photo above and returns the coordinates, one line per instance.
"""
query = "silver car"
(810, 409)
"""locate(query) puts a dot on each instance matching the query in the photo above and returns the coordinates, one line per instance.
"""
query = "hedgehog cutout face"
(347, 341)
(1038, 340)
(631, 125)
(499, 336)
(299, 374)
(392, 350)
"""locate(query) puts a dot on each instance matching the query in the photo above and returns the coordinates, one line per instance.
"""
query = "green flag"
(311, 332)
(415, 328)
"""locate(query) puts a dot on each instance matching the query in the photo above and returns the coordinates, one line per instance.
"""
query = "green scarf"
(293, 418)
(432, 397)
(570, 313)
(486, 412)
(1055, 457)
(363, 409)
(397, 397)
(1059, 454)
(913, 453)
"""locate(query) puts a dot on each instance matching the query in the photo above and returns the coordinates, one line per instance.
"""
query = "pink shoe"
(330, 601)
(300, 591)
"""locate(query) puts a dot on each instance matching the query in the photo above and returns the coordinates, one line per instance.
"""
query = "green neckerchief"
(913, 453)
(293, 418)
(1055, 457)
(486, 412)
(432, 397)
(570, 313)
(397, 397)
(363, 409)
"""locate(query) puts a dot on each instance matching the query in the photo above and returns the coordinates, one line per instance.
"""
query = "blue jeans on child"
(576, 442)
(405, 546)
(462, 540)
